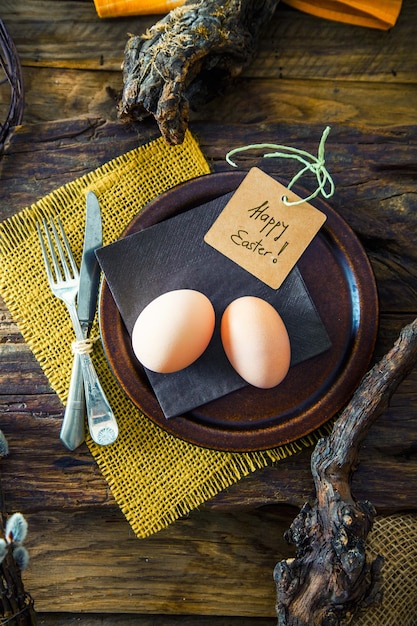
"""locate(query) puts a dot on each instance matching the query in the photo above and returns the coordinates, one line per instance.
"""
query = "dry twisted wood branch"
(186, 56)
(331, 579)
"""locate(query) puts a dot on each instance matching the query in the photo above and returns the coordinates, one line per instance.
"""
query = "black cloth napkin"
(173, 255)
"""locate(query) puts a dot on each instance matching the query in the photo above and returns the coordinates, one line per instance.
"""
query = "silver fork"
(63, 278)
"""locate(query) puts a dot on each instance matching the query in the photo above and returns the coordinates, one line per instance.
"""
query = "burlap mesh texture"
(395, 538)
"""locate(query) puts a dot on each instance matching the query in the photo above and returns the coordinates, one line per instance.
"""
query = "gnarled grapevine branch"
(330, 579)
(186, 56)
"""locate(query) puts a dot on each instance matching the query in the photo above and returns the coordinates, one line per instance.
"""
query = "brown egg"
(173, 330)
(256, 341)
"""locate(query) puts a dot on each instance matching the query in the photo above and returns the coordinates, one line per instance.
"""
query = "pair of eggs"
(175, 329)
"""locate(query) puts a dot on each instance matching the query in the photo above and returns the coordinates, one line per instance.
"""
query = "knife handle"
(102, 423)
(73, 425)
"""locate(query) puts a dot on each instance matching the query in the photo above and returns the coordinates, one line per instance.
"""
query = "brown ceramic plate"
(340, 280)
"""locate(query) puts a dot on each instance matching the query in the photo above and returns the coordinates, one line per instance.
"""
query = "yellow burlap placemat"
(154, 477)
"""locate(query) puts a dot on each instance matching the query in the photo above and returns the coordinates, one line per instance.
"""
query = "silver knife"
(73, 425)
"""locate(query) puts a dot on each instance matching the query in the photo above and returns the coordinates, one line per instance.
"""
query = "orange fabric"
(119, 8)
(372, 13)
(380, 14)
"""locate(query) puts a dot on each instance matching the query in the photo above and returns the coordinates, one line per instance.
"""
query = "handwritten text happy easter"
(270, 228)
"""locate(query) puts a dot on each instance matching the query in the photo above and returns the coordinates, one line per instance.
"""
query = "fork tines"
(57, 242)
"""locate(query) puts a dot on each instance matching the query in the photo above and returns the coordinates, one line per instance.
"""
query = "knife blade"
(90, 271)
(73, 425)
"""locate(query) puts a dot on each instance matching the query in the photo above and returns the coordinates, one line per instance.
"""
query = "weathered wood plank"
(319, 101)
(23, 373)
(57, 619)
(297, 45)
(193, 567)
(62, 151)
(68, 34)
(56, 93)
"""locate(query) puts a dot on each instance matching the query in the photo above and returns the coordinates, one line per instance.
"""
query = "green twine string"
(311, 163)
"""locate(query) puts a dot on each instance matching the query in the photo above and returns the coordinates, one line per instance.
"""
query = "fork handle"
(73, 425)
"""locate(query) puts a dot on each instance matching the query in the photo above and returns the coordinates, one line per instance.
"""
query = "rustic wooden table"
(214, 567)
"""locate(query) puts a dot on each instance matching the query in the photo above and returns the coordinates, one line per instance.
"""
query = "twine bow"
(314, 164)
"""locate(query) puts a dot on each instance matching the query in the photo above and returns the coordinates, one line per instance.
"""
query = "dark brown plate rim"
(332, 392)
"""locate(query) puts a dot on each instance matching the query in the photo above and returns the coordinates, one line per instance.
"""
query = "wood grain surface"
(214, 567)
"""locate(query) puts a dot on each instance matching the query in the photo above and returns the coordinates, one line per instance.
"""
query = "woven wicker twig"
(10, 75)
